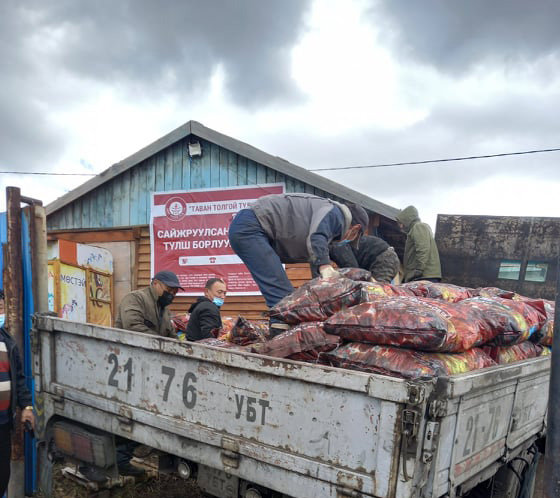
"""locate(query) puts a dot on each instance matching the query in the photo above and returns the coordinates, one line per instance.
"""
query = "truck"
(249, 426)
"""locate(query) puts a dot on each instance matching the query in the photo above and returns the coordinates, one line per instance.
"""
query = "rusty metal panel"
(472, 247)
(310, 420)
(488, 413)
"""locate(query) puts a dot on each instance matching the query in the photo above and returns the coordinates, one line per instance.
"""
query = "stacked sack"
(415, 330)
(420, 329)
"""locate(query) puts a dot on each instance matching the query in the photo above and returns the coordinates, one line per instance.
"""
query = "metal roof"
(241, 148)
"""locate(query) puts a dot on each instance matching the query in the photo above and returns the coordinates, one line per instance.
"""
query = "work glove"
(329, 272)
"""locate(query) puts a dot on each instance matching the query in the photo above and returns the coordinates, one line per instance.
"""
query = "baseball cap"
(168, 278)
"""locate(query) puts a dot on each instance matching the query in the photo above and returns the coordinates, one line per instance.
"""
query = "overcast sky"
(322, 83)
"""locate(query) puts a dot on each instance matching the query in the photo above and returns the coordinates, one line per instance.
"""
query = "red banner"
(189, 236)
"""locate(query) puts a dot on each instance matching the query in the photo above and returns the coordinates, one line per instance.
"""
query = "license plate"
(217, 482)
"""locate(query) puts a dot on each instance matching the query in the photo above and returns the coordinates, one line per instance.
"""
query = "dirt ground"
(168, 486)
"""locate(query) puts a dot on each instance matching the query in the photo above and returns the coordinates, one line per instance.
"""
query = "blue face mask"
(218, 301)
(344, 242)
(2, 319)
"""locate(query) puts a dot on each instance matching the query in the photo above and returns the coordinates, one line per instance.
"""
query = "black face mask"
(165, 299)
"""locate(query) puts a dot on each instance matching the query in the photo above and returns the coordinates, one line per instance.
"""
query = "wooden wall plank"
(251, 172)
(205, 167)
(160, 173)
(270, 175)
(215, 166)
(261, 174)
(186, 165)
(168, 159)
(108, 208)
(223, 164)
(241, 170)
(117, 201)
(133, 196)
(177, 155)
(232, 169)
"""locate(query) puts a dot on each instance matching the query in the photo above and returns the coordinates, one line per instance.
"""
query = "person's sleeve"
(23, 395)
(343, 256)
(421, 235)
(209, 320)
(132, 315)
(329, 228)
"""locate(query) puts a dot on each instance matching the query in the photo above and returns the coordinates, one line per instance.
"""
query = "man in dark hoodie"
(373, 254)
(421, 256)
(205, 313)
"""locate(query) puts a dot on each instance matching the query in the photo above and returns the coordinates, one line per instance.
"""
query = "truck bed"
(304, 430)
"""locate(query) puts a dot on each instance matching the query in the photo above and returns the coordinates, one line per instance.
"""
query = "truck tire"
(509, 481)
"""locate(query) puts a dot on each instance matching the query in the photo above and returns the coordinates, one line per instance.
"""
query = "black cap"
(168, 278)
(359, 216)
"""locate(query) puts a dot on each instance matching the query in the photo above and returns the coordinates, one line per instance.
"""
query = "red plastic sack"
(404, 363)
(372, 291)
(517, 352)
(301, 338)
(355, 274)
(547, 330)
(436, 290)
(413, 322)
(493, 292)
(515, 321)
(180, 322)
(218, 343)
(246, 332)
(318, 299)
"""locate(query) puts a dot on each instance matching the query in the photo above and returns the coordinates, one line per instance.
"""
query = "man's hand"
(327, 271)
(28, 416)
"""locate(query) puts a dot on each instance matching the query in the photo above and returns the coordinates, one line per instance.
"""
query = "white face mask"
(2, 319)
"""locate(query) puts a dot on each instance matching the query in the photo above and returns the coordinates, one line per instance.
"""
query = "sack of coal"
(437, 290)
(372, 291)
(358, 274)
(517, 352)
(404, 363)
(318, 299)
(302, 338)
(246, 332)
(514, 320)
(413, 322)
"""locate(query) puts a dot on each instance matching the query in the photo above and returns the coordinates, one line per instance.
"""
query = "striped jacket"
(19, 394)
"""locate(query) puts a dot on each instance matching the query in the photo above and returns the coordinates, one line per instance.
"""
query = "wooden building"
(514, 253)
(112, 210)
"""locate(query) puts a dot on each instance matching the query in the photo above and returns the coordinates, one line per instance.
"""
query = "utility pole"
(13, 290)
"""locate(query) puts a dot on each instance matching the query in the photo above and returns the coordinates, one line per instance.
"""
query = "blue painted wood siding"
(125, 200)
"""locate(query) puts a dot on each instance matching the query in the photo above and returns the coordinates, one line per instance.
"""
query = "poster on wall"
(72, 293)
(189, 236)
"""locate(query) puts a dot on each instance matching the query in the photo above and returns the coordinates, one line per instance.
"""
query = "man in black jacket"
(205, 313)
(373, 254)
(13, 394)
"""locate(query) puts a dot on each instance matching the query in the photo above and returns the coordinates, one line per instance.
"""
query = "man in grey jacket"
(291, 228)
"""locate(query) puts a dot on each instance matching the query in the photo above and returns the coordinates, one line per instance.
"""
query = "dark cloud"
(455, 36)
(176, 46)
(53, 53)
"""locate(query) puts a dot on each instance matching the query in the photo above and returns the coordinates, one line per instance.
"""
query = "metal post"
(552, 457)
(13, 289)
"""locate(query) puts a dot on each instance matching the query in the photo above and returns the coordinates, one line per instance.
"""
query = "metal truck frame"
(297, 429)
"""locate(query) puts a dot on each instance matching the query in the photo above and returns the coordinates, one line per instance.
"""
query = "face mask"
(2, 319)
(218, 301)
(165, 299)
(344, 242)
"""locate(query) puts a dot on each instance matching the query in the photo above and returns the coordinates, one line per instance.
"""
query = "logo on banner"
(175, 209)
(212, 260)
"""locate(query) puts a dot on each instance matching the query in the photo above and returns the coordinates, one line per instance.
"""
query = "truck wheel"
(508, 481)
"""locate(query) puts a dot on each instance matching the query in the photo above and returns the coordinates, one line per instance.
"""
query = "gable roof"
(241, 148)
